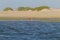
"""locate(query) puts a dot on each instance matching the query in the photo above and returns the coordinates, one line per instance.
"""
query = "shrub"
(8, 8)
(20, 8)
(24, 8)
(41, 7)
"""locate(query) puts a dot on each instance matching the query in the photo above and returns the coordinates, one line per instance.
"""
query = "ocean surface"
(29, 30)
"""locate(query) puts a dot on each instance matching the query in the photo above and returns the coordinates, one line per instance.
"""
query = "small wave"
(6, 36)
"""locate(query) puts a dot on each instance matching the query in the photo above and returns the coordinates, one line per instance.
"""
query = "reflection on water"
(29, 30)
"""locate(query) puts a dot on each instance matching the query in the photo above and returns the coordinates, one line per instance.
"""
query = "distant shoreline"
(44, 15)
(42, 19)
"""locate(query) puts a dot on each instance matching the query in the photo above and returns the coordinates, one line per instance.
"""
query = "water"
(29, 30)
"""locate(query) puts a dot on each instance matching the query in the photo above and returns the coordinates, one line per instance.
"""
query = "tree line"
(27, 8)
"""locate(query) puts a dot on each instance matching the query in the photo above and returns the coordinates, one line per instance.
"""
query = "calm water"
(29, 30)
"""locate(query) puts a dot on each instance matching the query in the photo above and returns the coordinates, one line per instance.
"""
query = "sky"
(29, 3)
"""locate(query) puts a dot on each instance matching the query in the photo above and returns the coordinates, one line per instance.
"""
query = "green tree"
(8, 8)
(41, 7)
(28, 8)
(20, 8)
(24, 8)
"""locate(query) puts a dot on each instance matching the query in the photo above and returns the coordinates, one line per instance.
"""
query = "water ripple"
(29, 30)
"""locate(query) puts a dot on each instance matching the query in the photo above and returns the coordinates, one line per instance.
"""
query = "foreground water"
(29, 30)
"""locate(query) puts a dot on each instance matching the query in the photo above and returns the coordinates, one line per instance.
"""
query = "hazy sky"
(29, 3)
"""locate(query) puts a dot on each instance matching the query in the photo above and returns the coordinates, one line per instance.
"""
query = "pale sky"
(29, 3)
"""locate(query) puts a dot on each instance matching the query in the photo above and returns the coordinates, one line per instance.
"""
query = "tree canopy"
(8, 8)
(20, 8)
(27, 8)
(24, 8)
(41, 7)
